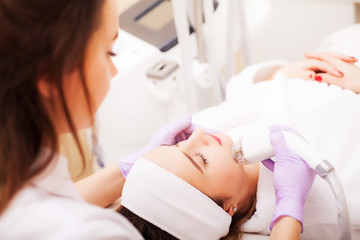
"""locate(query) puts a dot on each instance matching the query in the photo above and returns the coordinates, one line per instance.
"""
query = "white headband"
(172, 204)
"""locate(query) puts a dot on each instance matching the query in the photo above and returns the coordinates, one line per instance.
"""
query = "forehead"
(110, 16)
(173, 160)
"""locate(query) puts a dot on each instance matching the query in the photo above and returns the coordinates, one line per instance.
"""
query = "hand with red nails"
(308, 69)
(345, 64)
(170, 134)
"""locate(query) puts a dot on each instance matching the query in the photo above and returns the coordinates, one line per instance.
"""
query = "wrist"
(286, 228)
(126, 163)
(288, 207)
(103, 187)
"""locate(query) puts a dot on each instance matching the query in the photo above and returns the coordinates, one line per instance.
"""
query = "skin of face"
(207, 165)
(99, 69)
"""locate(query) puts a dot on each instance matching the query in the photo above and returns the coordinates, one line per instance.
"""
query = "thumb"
(179, 125)
(277, 139)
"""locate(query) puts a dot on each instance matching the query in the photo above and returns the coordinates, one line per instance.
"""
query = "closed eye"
(193, 162)
(112, 54)
(203, 158)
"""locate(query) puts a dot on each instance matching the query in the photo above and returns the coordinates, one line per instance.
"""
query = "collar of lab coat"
(55, 179)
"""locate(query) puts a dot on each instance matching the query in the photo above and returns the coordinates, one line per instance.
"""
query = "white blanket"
(327, 116)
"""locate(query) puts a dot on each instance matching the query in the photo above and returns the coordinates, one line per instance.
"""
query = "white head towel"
(172, 204)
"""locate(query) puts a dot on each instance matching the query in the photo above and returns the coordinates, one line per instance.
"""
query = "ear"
(46, 88)
(229, 206)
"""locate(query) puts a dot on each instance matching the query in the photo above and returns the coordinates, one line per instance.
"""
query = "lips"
(216, 138)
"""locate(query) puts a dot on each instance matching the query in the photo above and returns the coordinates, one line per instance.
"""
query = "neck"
(253, 176)
(252, 172)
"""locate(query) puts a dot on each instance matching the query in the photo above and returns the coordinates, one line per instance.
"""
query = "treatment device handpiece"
(255, 147)
(237, 153)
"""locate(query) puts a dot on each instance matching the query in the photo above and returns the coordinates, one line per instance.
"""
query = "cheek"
(228, 178)
(98, 76)
(75, 100)
(220, 178)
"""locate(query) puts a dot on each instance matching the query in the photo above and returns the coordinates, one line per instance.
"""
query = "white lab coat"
(50, 207)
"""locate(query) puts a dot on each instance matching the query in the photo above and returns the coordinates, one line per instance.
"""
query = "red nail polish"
(353, 58)
(318, 78)
(341, 73)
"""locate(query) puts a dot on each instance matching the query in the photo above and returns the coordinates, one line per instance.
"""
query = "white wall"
(130, 114)
(297, 26)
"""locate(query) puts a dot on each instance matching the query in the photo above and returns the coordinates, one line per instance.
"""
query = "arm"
(293, 179)
(286, 228)
(102, 188)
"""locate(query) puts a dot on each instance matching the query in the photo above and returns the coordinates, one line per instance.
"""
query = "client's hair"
(238, 219)
(149, 231)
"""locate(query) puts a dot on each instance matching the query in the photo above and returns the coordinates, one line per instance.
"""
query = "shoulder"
(59, 218)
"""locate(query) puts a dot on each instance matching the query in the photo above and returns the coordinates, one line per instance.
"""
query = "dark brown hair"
(238, 219)
(151, 232)
(148, 230)
(38, 38)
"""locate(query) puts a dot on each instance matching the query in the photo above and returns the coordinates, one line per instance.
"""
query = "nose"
(198, 137)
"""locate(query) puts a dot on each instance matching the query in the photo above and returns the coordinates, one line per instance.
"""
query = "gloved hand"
(293, 177)
(170, 134)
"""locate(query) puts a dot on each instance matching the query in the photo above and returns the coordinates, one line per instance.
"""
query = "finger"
(343, 57)
(179, 125)
(329, 79)
(330, 60)
(323, 66)
(308, 75)
(181, 136)
(277, 139)
(276, 136)
(269, 164)
(289, 129)
(334, 62)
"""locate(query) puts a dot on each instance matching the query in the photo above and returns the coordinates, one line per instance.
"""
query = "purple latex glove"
(293, 177)
(170, 134)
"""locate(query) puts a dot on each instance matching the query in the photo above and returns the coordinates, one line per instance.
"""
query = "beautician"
(55, 70)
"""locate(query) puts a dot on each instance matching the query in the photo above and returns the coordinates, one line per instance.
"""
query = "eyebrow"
(193, 162)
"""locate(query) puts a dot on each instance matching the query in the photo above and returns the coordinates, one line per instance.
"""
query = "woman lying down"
(194, 190)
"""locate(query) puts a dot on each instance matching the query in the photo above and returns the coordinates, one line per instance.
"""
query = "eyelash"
(204, 159)
(112, 54)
